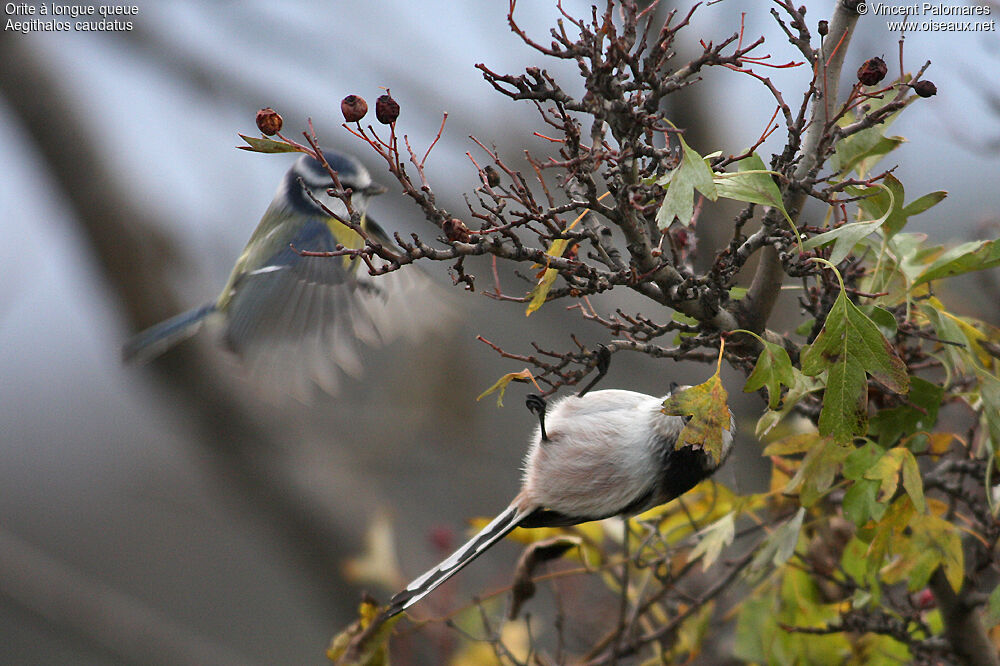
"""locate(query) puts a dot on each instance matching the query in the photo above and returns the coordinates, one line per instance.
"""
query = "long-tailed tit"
(292, 318)
(592, 456)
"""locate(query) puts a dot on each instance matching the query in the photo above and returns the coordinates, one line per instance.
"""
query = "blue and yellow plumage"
(293, 319)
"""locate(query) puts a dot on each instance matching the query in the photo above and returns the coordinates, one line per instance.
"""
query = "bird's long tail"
(498, 528)
(158, 338)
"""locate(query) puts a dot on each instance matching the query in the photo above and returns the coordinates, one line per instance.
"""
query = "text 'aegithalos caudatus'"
(592, 456)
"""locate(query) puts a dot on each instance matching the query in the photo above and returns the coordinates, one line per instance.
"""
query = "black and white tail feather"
(497, 529)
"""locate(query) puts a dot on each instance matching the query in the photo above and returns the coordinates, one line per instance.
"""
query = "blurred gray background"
(162, 514)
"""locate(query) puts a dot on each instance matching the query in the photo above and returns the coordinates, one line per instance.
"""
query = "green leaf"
(885, 319)
(737, 293)
(818, 470)
(263, 145)
(990, 395)
(965, 258)
(919, 413)
(913, 483)
(714, 538)
(845, 237)
(921, 204)
(752, 183)
(862, 150)
(957, 356)
(849, 346)
(806, 327)
(877, 202)
(886, 472)
(690, 175)
(861, 502)
(773, 369)
(780, 545)
(992, 615)
(861, 460)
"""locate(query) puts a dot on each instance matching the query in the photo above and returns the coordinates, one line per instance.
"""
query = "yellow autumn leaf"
(708, 408)
(542, 288)
(362, 644)
(502, 383)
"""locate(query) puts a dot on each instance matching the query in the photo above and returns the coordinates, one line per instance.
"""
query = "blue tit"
(293, 319)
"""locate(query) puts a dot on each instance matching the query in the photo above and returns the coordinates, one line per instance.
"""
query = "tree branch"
(762, 295)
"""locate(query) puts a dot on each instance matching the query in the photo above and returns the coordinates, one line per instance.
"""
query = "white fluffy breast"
(603, 452)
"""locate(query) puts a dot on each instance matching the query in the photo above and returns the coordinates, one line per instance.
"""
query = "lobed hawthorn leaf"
(710, 416)
(713, 539)
(861, 503)
(818, 470)
(779, 547)
(934, 542)
(848, 347)
(887, 471)
(773, 369)
(690, 175)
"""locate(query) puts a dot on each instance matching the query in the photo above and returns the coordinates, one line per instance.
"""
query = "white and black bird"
(295, 319)
(592, 456)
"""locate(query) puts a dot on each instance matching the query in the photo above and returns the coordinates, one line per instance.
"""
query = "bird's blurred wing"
(298, 319)
(410, 304)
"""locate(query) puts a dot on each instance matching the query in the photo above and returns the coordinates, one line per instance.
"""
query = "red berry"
(492, 175)
(268, 121)
(386, 109)
(872, 71)
(925, 88)
(354, 108)
(456, 231)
